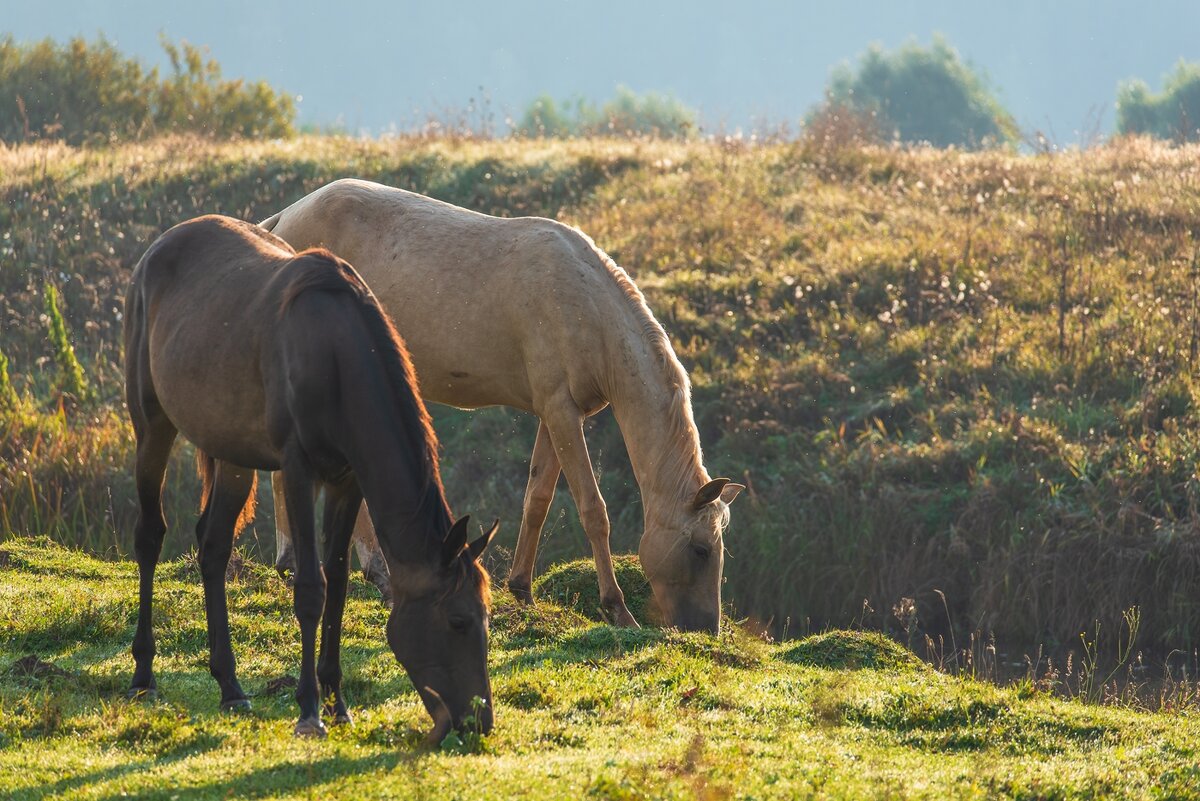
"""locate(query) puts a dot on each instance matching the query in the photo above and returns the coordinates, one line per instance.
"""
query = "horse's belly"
(472, 390)
(215, 397)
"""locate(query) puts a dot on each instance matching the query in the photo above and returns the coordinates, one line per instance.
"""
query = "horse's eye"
(703, 551)
(459, 623)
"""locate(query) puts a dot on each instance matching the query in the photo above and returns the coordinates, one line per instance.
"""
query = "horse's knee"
(539, 499)
(594, 517)
(214, 559)
(148, 536)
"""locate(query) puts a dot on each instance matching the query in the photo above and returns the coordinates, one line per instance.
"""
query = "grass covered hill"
(583, 710)
(936, 371)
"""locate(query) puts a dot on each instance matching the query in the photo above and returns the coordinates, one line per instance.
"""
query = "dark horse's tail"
(206, 468)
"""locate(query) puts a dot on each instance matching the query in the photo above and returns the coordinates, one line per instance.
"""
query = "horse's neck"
(410, 517)
(654, 412)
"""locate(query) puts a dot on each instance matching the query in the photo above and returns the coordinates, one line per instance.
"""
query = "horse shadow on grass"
(197, 745)
(276, 780)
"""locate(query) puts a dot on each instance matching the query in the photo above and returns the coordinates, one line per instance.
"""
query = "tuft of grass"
(851, 650)
(573, 585)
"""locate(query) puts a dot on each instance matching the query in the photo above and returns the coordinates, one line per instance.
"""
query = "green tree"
(1174, 113)
(197, 98)
(627, 113)
(922, 94)
(85, 93)
(547, 117)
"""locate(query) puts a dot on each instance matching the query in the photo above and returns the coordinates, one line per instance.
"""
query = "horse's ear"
(731, 491)
(476, 548)
(709, 493)
(456, 540)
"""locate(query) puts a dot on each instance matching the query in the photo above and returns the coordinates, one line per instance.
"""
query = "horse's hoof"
(236, 705)
(622, 618)
(342, 719)
(521, 592)
(309, 727)
(286, 563)
(142, 694)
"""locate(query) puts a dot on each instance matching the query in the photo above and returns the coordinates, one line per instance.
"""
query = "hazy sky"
(373, 63)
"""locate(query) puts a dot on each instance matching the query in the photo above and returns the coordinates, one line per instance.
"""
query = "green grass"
(583, 710)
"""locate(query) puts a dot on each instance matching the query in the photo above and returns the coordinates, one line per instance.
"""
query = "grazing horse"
(268, 359)
(566, 333)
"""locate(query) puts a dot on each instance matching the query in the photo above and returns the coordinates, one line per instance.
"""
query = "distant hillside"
(971, 374)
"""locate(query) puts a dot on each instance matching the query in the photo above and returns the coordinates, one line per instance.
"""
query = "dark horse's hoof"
(142, 694)
(309, 727)
(342, 719)
(236, 705)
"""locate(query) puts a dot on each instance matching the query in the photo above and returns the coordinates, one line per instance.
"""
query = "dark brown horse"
(266, 359)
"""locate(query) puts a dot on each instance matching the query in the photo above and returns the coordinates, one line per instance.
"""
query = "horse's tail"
(272, 221)
(206, 468)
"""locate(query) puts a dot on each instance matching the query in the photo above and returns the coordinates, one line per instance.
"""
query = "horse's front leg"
(342, 506)
(309, 590)
(215, 533)
(565, 425)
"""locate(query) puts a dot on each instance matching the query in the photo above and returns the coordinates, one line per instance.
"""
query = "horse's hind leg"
(231, 488)
(155, 435)
(342, 506)
(539, 494)
(566, 431)
(285, 556)
(366, 545)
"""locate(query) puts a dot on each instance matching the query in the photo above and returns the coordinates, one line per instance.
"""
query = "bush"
(628, 113)
(922, 95)
(1174, 113)
(84, 93)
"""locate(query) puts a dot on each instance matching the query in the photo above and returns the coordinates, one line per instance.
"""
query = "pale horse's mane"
(679, 464)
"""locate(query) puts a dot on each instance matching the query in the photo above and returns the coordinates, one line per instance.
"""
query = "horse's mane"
(687, 461)
(319, 270)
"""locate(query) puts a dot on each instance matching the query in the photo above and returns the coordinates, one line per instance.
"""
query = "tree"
(922, 95)
(87, 93)
(627, 113)
(1174, 113)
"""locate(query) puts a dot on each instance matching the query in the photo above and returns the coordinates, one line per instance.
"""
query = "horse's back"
(201, 309)
(494, 310)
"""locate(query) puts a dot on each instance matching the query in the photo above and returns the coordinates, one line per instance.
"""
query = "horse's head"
(684, 555)
(438, 631)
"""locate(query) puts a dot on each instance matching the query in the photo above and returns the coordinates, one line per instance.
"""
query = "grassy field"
(965, 373)
(583, 710)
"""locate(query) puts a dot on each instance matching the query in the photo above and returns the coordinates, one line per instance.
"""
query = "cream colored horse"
(529, 313)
